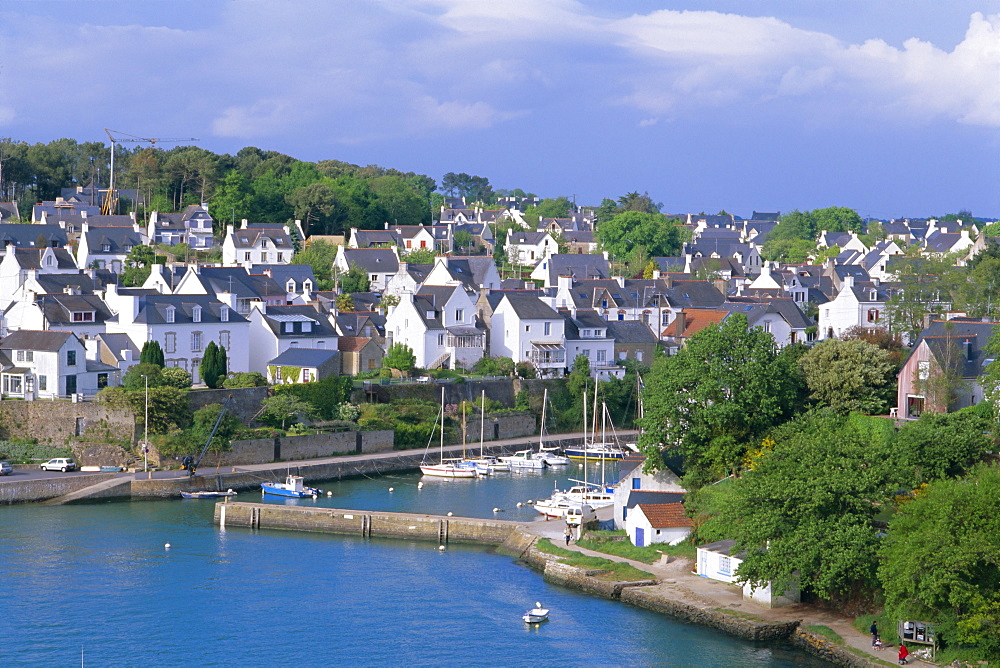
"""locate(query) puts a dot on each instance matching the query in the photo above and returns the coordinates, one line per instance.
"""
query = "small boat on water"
(549, 454)
(536, 615)
(294, 487)
(207, 494)
(589, 494)
(525, 459)
(447, 468)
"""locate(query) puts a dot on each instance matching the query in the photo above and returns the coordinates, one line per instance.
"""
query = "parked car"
(59, 464)
(5, 468)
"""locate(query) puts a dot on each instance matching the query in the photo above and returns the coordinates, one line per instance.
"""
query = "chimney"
(656, 274)
(680, 321)
(229, 230)
(83, 213)
(243, 224)
(259, 305)
(564, 282)
(668, 281)
(848, 282)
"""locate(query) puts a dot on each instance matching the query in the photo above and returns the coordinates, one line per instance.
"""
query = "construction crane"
(111, 201)
(192, 464)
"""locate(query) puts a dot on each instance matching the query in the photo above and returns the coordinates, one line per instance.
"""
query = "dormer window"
(307, 285)
(105, 248)
(171, 314)
(49, 261)
(196, 314)
(128, 248)
(224, 314)
(290, 286)
(83, 316)
(306, 327)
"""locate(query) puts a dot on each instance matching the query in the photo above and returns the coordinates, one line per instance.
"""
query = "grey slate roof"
(153, 309)
(637, 496)
(246, 237)
(304, 357)
(529, 306)
(25, 235)
(579, 265)
(372, 260)
(630, 331)
(58, 309)
(118, 239)
(276, 317)
(970, 336)
(27, 339)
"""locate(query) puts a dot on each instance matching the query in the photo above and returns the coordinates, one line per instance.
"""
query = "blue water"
(97, 581)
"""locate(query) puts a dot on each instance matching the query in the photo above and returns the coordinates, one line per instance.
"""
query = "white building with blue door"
(651, 523)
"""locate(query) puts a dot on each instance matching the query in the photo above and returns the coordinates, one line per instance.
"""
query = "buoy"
(329, 493)
(530, 502)
(449, 513)
(496, 510)
(420, 485)
(166, 546)
(391, 489)
(441, 547)
(315, 496)
(518, 504)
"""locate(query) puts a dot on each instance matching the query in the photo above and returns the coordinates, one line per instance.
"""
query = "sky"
(890, 107)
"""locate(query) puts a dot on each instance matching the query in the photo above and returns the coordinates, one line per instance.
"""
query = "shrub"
(245, 379)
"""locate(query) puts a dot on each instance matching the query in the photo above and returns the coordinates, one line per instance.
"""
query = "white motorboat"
(536, 615)
(588, 494)
(446, 468)
(524, 459)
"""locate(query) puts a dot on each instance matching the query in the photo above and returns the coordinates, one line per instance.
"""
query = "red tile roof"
(666, 515)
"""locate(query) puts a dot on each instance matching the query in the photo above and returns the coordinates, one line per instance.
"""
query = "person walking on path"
(903, 653)
(569, 534)
(873, 629)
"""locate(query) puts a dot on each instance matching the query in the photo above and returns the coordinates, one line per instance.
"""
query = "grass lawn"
(826, 632)
(616, 570)
(603, 541)
(740, 613)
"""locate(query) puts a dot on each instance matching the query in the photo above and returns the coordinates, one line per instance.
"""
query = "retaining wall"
(365, 523)
(835, 654)
(245, 404)
(27, 491)
(62, 422)
(309, 446)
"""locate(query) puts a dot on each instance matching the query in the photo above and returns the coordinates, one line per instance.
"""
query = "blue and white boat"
(294, 486)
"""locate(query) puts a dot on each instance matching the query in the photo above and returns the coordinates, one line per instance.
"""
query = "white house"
(275, 329)
(107, 247)
(527, 330)
(529, 248)
(257, 244)
(856, 304)
(20, 263)
(717, 562)
(48, 365)
(438, 323)
(587, 335)
(648, 524)
(380, 264)
(193, 227)
(183, 325)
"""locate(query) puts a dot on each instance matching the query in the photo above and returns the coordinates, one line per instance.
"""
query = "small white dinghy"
(536, 615)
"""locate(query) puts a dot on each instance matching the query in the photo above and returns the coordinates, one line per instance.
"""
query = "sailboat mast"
(442, 424)
(541, 430)
(482, 425)
(585, 453)
(604, 438)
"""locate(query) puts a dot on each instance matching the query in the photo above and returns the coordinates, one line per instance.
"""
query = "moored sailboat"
(446, 468)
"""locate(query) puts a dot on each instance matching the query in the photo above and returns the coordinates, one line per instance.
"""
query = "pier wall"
(309, 446)
(443, 530)
(28, 491)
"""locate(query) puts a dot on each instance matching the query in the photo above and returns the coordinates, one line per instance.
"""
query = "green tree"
(838, 219)
(804, 512)
(849, 375)
(724, 390)
(400, 357)
(283, 408)
(319, 255)
(344, 302)
(151, 353)
(232, 201)
(927, 285)
(175, 376)
(138, 265)
(354, 280)
(141, 375)
(943, 445)
(420, 256)
(941, 560)
(464, 242)
(204, 420)
(245, 379)
(626, 232)
(213, 365)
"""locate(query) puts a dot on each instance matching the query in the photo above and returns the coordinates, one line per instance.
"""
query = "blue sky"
(891, 107)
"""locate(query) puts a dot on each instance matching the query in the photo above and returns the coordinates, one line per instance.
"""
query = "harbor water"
(96, 585)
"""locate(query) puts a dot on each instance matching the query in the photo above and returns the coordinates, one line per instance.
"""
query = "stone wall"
(834, 654)
(498, 427)
(28, 491)
(309, 446)
(61, 423)
(245, 405)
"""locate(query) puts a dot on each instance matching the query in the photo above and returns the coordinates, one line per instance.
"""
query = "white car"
(60, 464)
(5, 468)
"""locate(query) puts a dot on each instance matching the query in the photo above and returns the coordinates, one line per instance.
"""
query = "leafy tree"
(213, 365)
(141, 375)
(354, 280)
(175, 376)
(473, 188)
(282, 408)
(580, 379)
(233, 200)
(323, 395)
(927, 285)
(724, 390)
(312, 204)
(941, 560)
(804, 511)
(420, 256)
(849, 375)
(245, 379)
(344, 302)
(944, 382)
(838, 219)
(138, 265)
(633, 201)
(319, 255)
(401, 357)
(168, 406)
(654, 233)
(525, 370)
(943, 445)
(464, 241)
(204, 420)
(151, 353)
(890, 342)
(387, 303)
(494, 366)
(788, 250)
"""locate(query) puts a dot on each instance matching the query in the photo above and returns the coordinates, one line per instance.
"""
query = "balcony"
(547, 355)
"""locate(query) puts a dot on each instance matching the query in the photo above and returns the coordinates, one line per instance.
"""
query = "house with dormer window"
(529, 248)
(275, 329)
(259, 243)
(856, 304)
(587, 335)
(380, 264)
(107, 247)
(439, 324)
(526, 329)
(297, 280)
(50, 365)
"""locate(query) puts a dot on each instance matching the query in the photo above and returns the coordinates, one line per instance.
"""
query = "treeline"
(329, 196)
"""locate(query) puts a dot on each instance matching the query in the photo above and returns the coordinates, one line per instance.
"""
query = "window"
(102, 381)
(638, 356)
(440, 339)
(371, 364)
(49, 261)
(224, 314)
(170, 342)
(20, 355)
(105, 248)
(548, 328)
(601, 355)
(196, 342)
(586, 333)
(281, 257)
(923, 370)
(246, 256)
(527, 328)
(29, 355)
(290, 285)
(224, 339)
(43, 383)
(293, 344)
(196, 314)
(767, 326)
(622, 355)
(873, 315)
(459, 315)
(263, 257)
(307, 285)
(725, 565)
(289, 327)
(321, 345)
(70, 358)
(585, 352)
(171, 314)
(83, 316)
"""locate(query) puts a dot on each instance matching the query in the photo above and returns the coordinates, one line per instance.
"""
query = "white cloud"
(455, 115)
